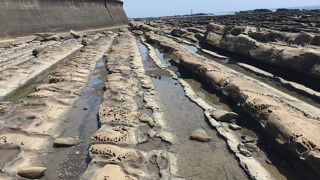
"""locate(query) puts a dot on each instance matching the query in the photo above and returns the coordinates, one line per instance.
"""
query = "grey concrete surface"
(26, 17)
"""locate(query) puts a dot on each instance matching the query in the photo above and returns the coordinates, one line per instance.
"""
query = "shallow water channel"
(195, 160)
(81, 122)
(234, 62)
(210, 160)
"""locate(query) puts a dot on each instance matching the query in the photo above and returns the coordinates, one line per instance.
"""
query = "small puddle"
(191, 48)
(82, 122)
(195, 160)
(8, 153)
(205, 93)
(163, 58)
(154, 71)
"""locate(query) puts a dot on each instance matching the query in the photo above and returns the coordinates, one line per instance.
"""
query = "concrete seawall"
(26, 17)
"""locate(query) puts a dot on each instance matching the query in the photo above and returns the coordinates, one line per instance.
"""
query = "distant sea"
(234, 12)
(307, 7)
(274, 9)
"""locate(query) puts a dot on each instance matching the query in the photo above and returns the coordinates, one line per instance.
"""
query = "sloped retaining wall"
(26, 17)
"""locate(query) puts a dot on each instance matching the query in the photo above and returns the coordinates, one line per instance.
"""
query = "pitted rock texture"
(283, 39)
(119, 115)
(112, 171)
(291, 122)
(32, 122)
(124, 123)
(117, 135)
(114, 154)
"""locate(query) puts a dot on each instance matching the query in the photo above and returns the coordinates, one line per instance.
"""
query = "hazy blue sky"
(147, 8)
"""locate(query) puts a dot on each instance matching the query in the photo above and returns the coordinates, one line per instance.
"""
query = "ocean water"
(309, 7)
(273, 9)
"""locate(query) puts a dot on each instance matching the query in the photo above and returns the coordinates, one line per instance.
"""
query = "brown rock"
(37, 51)
(31, 172)
(145, 118)
(223, 116)
(303, 38)
(193, 30)
(236, 30)
(44, 35)
(64, 142)
(51, 38)
(85, 41)
(200, 135)
(216, 28)
(178, 32)
(244, 151)
(75, 34)
(248, 139)
(252, 147)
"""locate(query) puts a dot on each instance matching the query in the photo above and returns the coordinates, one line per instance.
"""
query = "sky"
(153, 8)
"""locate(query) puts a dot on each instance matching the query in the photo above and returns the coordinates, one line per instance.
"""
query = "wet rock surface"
(177, 108)
(284, 39)
(114, 151)
(32, 122)
(153, 122)
(249, 40)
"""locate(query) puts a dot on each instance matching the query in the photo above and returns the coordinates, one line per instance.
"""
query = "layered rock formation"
(292, 123)
(268, 46)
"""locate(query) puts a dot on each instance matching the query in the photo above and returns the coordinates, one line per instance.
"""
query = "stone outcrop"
(291, 123)
(113, 148)
(178, 32)
(257, 45)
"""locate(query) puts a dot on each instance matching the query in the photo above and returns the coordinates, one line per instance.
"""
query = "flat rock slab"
(200, 135)
(112, 172)
(31, 172)
(65, 142)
